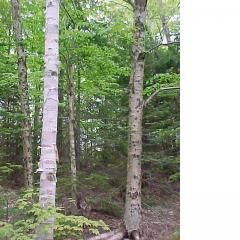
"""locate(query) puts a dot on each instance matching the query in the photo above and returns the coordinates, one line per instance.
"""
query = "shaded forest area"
(117, 110)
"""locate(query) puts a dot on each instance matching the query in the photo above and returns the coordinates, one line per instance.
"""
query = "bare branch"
(146, 102)
(70, 17)
(161, 44)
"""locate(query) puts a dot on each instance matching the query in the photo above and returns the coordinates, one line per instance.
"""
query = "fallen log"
(117, 234)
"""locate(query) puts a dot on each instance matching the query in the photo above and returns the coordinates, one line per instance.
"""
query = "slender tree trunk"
(77, 125)
(132, 215)
(48, 157)
(60, 117)
(36, 123)
(71, 129)
(164, 23)
(24, 98)
(9, 39)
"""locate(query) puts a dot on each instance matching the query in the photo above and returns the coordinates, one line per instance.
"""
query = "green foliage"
(7, 169)
(96, 38)
(176, 236)
(30, 215)
(175, 177)
(72, 226)
(6, 230)
(161, 81)
(106, 205)
(98, 181)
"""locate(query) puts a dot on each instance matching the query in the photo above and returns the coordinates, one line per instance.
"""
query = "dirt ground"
(159, 222)
(160, 213)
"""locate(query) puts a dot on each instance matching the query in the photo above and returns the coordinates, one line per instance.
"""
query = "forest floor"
(159, 222)
(160, 214)
(160, 209)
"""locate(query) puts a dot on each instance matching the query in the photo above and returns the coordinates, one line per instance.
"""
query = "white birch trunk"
(48, 157)
(132, 214)
(24, 98)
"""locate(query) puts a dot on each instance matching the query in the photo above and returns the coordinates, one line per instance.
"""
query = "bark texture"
(24, 98)
(132, 215)
(48, 157)
(72, 154)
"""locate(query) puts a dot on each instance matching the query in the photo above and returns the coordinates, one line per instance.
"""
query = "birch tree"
(50, 112)
(24, 98)
(132, 215)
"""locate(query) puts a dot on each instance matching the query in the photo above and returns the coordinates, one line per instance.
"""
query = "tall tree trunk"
(48, 157)
(24, 98)
(36, 122)
(71, 129)
(77, 125)
(9, 39)
(164, 22)
(132, 215)
(60, 117)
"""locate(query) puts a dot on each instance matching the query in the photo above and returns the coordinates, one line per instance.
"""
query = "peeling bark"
(24, 97)
(48, 157)
(132, 215)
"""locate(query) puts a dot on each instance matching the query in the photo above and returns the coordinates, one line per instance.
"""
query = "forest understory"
(160, 217)
(160, 207)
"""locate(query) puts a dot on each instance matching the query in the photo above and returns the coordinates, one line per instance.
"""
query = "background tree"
(24, 98)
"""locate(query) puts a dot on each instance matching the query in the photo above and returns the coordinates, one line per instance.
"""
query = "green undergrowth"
(175, 236)
(106, 205)
(29, 215)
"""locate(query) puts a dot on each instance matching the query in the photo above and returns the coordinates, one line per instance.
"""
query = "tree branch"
(70, 17)
(161, 44)
(146, 102)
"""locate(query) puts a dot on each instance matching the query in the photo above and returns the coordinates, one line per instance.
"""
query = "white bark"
(50, 111)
